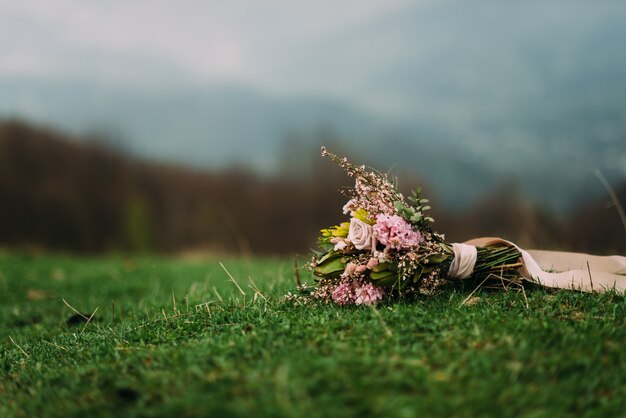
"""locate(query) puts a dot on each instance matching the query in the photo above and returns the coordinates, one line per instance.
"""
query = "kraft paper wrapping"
(602, 273)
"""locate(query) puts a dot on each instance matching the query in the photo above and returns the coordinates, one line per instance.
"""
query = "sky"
(366, 52)
(260, 43)
(531, 79)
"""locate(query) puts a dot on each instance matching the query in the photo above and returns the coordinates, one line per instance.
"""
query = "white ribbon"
(573, 270)
(464, 261)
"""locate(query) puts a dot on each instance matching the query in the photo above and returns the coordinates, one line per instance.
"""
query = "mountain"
(549, 151)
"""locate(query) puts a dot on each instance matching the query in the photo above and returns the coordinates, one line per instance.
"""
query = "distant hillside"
(64, 193)
(549, 149)
(76, 193)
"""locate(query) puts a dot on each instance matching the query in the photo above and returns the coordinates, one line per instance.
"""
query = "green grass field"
(167, 351)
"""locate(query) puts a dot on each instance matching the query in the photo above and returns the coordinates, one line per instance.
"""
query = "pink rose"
(361, 235)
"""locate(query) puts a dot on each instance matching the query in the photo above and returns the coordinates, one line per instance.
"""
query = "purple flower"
(394, 232)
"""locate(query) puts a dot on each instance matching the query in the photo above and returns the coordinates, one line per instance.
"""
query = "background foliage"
(88, 196)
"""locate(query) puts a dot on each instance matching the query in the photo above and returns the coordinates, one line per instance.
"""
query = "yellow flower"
(339, 231)
(363, 215)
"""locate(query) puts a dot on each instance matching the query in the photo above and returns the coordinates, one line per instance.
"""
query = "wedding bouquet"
(388, 249)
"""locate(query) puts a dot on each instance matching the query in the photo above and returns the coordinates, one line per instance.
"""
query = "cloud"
(235, 40)
(479, 69)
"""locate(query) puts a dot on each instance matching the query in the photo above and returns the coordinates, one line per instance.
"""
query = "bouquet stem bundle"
(497, 262)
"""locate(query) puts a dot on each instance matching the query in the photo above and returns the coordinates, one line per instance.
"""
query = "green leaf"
(381, 275)
(446, 248)
(384, 267)
(381, 267)
(336, 265)
(328, 256)
(399, 205)
(384, 278)
(437, 258)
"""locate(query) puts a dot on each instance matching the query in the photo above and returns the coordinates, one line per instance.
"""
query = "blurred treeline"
(61, 193)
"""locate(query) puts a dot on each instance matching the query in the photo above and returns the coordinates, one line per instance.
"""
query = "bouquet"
(388, 249)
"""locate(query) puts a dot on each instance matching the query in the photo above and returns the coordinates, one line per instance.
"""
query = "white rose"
(361, 235)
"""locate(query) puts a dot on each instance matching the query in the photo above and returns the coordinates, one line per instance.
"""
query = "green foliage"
(385, 274)
(339, 231)
(139, 224)
(494, 356)
(330, 265)
(415, 213)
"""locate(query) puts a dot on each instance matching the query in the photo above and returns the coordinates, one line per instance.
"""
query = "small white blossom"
(341, 245)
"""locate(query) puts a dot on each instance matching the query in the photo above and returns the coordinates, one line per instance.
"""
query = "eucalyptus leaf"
(399, 205)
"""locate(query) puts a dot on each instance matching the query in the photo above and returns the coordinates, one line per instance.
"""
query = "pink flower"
(360, 270)
(373, 262)
(354, 270)
(344, 293)
(368, 294)
(349, 271)
(357, 292)
(394, 232)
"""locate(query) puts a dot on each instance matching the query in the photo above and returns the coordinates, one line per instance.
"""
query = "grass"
(169, 353)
